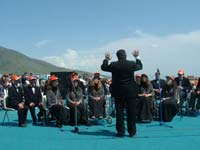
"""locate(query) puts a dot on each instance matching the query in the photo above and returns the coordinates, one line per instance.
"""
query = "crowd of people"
(97, 97)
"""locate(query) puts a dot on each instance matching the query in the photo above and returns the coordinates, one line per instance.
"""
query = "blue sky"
(77, 33)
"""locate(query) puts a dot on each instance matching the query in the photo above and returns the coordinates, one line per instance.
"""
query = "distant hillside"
(12, 61)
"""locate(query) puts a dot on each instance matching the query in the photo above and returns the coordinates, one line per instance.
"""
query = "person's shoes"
(85, 122)
(93, 117)
(22, 124)
(120, 134)
(59, 124)
(132, 134)
(100, 117)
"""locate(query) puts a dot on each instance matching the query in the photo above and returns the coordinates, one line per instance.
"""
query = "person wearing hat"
(55, 102)
(75, 99)
(16, 100)
(137, 79)
(144, 105)
(96, 98)
(169, 101)
(124, 89)
(183, 86)
(33, 98)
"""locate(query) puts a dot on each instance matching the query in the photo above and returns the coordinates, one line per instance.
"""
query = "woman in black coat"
(145, 101)
(169, 101)
(96, 98)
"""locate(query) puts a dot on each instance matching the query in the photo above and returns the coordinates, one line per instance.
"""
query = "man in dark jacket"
(158, 85)
(33, 98)
(124, 89)
(16, 100)
(184, 87)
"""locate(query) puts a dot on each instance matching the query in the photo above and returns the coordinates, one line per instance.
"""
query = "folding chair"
(6, 109)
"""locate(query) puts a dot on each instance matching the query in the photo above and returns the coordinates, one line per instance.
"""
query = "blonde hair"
(100, 86)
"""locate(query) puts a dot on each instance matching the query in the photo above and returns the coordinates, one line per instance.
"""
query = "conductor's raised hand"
(107, 56)
(135, 53)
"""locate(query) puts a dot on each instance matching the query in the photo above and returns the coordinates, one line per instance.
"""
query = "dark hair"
(121, 54)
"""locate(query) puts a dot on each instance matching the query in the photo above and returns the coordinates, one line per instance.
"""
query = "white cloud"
(168, 53)
(41, 43)
(73, 59)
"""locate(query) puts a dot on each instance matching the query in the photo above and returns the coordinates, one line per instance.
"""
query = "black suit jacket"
(15, 96)
(185, 83)
(31, 97)
(123, 83)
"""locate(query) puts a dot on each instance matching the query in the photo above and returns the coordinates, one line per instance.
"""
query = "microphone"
(158, 71)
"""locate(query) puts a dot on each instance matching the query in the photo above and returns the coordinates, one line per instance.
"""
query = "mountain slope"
(12, 61)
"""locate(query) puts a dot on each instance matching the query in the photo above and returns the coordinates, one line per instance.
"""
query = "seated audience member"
(16, 100)
(195, 99)
(75, 101)
(96, 98)
(3, 92)
(33, 98)
(4, 78)
(158, 83)
(183, 87)
(55, 102)
(169, 101)
(144, 105)
(138, 79)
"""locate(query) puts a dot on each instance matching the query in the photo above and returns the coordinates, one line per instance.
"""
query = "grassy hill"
(12, 61)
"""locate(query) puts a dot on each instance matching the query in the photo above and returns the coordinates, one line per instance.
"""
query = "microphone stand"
(161, 123)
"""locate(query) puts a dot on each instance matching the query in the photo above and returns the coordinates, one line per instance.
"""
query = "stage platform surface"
(185, 135)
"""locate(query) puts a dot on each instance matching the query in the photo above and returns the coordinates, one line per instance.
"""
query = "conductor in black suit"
(124, 89)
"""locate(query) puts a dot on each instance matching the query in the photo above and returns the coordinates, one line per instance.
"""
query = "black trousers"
(22, 114)
(97, 108)
(129, 104)
(169, 109)
(61, 114)
(81, 114)
(32, 111)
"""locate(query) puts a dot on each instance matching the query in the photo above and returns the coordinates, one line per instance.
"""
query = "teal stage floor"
(185, 135)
